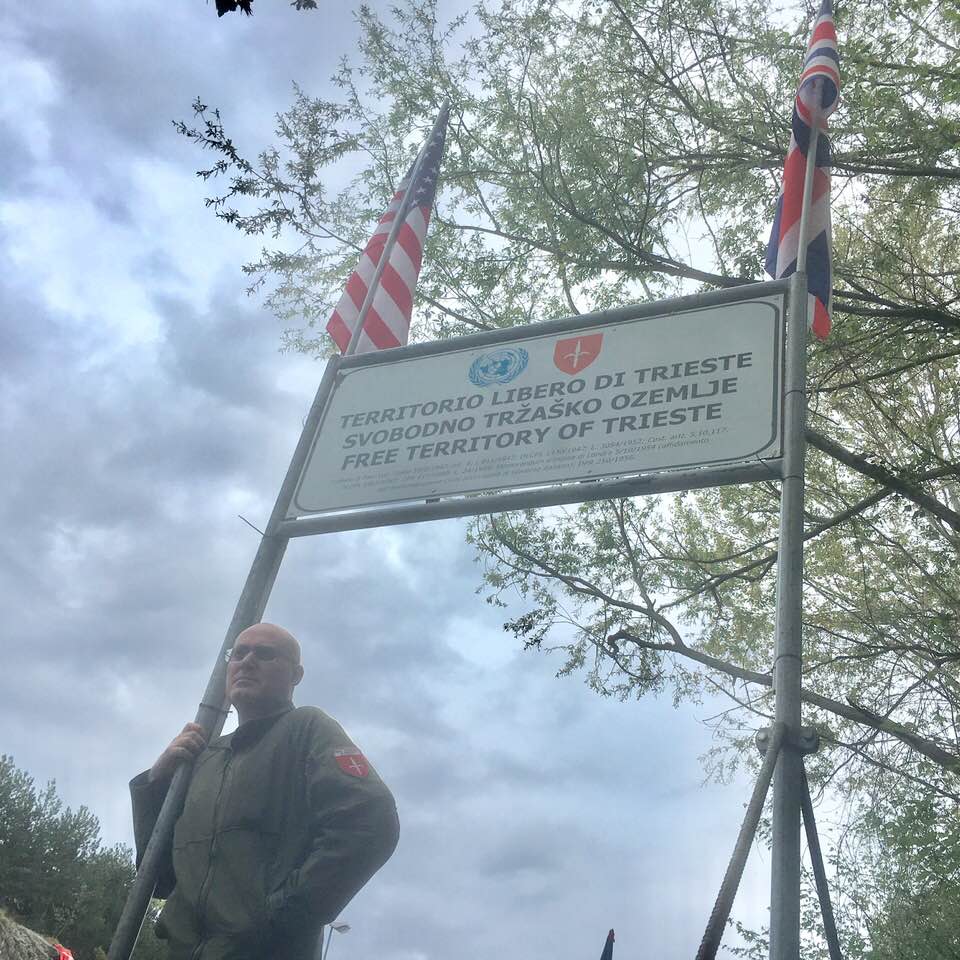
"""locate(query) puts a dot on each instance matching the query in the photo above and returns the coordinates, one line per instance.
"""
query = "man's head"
(263, 669)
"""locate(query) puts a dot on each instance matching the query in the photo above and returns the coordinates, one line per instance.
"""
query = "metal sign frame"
(659, 480)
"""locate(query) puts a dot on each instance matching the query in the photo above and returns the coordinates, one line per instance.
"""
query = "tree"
(55, 876)
(908, 858)
(619, 150)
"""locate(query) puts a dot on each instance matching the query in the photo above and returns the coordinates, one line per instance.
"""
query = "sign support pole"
(212, 711)
(788, 650)
(787, 665)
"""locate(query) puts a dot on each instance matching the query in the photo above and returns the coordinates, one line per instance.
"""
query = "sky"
(145, 406)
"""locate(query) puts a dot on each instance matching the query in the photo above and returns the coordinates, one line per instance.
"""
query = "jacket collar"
(251, 731)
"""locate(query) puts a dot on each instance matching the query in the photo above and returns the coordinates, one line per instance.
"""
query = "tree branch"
(875, 472)
(849, 711)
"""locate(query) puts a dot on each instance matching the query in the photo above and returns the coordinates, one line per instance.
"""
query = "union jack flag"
(388, 321)
(817, 97)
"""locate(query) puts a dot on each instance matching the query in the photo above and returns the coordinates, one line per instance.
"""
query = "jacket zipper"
(205, 886)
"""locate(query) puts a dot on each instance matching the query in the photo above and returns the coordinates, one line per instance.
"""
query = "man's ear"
(297, 673)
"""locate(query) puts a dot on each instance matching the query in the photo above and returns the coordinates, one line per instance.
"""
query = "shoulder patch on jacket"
(352, 762)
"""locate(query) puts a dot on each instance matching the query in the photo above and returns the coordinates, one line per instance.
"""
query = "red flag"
(388, 321)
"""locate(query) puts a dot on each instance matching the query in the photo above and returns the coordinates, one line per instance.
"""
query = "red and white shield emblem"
(577, 353)
(354, 764)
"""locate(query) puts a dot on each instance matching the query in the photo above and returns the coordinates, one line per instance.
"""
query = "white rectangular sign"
(696, 387)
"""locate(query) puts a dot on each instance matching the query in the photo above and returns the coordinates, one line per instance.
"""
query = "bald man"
(284, 820)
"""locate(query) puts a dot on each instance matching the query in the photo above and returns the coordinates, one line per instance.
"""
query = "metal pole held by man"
(374, 313)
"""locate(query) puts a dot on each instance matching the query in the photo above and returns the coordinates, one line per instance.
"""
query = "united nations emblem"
(498, 366)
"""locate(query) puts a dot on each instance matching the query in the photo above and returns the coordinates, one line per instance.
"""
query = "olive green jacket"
(284, 821)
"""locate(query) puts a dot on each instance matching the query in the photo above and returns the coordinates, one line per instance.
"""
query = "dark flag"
(608, 948)
(228, 6)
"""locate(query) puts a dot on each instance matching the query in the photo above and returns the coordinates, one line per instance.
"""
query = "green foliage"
(602, 151)
(907, 857)
(55, 876)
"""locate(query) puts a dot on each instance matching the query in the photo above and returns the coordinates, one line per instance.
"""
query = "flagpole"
(788, 651)
(395, 227)
(212, 711)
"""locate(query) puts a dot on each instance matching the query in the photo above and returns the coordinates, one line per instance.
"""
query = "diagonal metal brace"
(819, 874)
(807, 740)
(748, 830)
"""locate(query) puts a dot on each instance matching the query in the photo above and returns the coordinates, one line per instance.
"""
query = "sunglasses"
(263, 654)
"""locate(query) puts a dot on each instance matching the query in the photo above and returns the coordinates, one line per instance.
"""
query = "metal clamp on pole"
(210, 706)
(805, 740)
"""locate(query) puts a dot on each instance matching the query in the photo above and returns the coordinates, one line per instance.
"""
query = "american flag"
(388, 320)
(817, 97)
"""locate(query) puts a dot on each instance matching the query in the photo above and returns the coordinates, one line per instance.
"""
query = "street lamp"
(340, 927)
